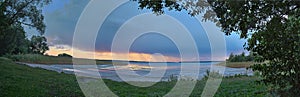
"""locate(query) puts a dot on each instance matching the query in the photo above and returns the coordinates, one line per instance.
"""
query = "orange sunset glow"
(132, 56)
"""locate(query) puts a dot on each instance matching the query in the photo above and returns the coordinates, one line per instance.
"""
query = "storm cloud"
(62, 15)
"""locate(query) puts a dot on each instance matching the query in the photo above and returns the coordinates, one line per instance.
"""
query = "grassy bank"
(236, 64)
(41, 59)
(230, 87)
(21, 80)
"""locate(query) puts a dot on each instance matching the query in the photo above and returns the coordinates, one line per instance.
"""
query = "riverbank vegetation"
(50, 60)
(240, 60)
(242, 57)
(236, 64)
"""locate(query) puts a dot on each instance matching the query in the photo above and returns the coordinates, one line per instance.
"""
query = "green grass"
(230, 87)
(21, 80)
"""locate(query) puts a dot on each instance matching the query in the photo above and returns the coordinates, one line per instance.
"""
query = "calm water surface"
(141, 71)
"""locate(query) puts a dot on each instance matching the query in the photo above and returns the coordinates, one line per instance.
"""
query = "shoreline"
(110, 72)
(28, 81)
(236, 64)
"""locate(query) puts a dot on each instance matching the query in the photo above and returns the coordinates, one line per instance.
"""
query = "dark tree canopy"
(272, 28)
(10, 39)
(252, 16)
(14, 16)
(38, 45)
(241, 16)
(280, 45)
(24, 12)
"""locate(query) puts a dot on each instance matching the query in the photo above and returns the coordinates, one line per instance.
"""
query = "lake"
(137, 71)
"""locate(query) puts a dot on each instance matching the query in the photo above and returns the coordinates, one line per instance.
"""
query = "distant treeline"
(64, 55)
(242, 57)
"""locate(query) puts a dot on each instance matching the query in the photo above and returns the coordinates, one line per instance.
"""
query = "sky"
(61, 17)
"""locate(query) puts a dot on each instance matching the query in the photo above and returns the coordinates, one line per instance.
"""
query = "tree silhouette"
(14, 16)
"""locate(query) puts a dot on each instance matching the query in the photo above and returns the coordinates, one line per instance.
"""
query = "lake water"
(141, 71)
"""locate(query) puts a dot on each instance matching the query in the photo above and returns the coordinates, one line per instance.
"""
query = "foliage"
(194, 7)
(22, 45)
(23, 12)
(64, 55)
(12, 40)
(15, 15)
(38, 45)
(283, 68)
(242, 57)
(272, 28)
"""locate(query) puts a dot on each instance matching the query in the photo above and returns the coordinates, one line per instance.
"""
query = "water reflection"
(142, 69)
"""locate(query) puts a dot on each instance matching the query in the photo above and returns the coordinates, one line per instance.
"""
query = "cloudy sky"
(61, 17)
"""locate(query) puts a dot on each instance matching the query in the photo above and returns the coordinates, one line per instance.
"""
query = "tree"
(241, 57)
(14, 16)
(21, 44)
(230, 56)
(272, 29)
(251, 56)
(9, 37)
(38, 45)
(280, 44)
(64, 55)
(25, 12)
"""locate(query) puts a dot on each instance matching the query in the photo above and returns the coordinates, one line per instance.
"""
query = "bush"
(213, 74)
